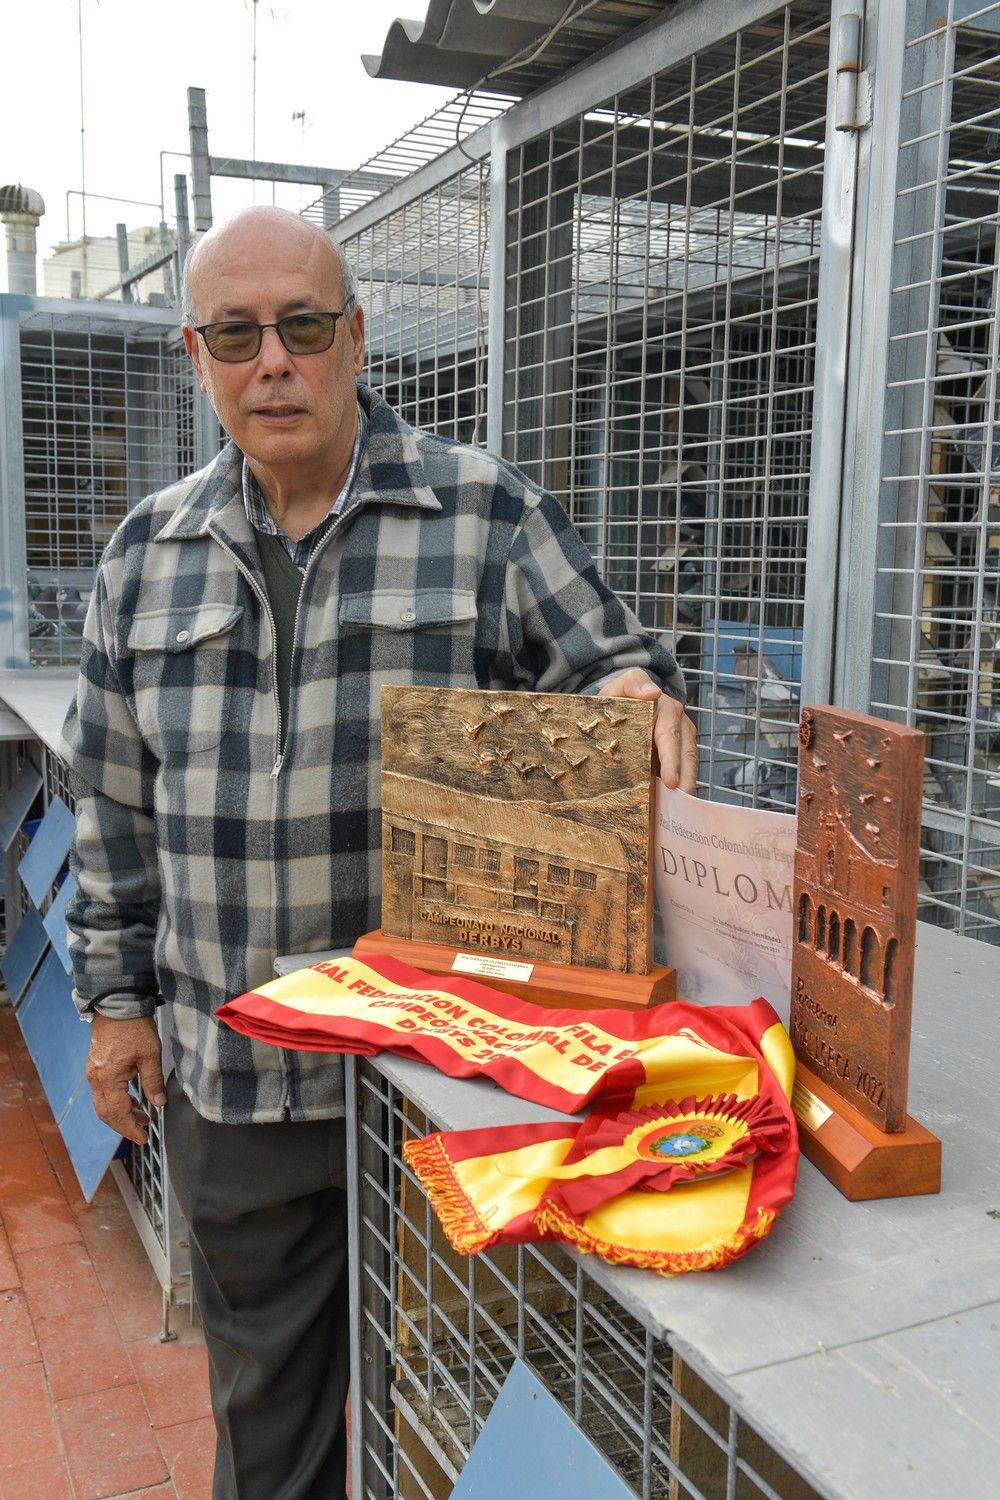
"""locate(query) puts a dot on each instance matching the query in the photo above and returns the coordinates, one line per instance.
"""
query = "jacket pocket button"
(183, 635)
(406, 615)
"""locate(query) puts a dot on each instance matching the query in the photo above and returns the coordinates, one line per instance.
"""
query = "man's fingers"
(118, 1051)
(689, 756)
(117, 1108)
(151, 1078)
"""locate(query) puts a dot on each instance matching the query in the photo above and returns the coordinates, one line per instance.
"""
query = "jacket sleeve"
(113, 915)
(567, 632)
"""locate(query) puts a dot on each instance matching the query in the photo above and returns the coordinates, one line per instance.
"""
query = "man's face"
(293, 415)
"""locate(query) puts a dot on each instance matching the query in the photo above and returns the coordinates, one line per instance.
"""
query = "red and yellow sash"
(684, 1162)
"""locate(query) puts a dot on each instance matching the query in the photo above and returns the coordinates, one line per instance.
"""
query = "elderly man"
(225, 745)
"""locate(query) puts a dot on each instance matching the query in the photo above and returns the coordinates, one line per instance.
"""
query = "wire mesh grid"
(937, 640)
(145, 1166)
(422, 280)
(448, 126)
(440, 1332)
(659, 348)
(108, 414)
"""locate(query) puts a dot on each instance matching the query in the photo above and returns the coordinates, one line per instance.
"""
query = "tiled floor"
(92, 1405)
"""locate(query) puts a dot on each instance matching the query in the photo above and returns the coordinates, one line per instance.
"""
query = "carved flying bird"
(866, 797)
(504, 755)
(575, 761)
(541, 708)
(484, 760)
(873, 829)
(553, 736)
(556, 775)
(500, 709)
(806, 796)
(842, 735)
(819, 763)
(472, 730)
(590, 725)
(614, 718)
(609, 749)
(872, 761)
(525, 768)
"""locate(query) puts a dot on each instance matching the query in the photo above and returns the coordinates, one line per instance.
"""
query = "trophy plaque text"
(516, 840)
(855, 899)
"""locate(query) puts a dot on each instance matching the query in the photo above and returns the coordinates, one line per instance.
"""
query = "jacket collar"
(391, 472)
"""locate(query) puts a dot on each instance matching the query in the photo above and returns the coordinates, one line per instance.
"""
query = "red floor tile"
(18, 1345)
(41, 1479)
(189, 1450)
(28, 1431)
(59, 1279)
(8, 1271)
(161, 1492)
(110, 1448)
(16, 1123)
(173, 1378)
(140, 1316)
(24, 1168)
(83, 1352)
(34, 1221)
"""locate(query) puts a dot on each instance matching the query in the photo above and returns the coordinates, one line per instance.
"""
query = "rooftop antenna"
(83, 153)
(253, 98)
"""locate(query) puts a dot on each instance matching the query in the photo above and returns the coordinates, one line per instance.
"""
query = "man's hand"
(118, 1051)
(674, 736)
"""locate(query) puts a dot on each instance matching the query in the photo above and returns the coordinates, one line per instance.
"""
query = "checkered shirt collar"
(260, 517)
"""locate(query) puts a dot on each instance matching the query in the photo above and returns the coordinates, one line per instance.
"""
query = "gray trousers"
(267, 1215)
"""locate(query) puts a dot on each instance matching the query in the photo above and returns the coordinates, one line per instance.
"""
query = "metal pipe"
(201, 172)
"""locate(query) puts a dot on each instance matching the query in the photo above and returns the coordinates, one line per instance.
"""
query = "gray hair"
(348, 281)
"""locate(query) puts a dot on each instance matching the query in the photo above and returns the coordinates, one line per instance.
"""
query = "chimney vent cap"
(23, 201)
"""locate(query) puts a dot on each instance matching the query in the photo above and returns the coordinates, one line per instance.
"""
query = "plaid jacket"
(201, 851)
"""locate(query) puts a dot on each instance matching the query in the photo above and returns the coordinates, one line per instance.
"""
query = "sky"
(140, 56)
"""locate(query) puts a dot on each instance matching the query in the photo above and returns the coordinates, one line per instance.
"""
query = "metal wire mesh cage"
(936, 656)
(438, 1334)
(107, 412)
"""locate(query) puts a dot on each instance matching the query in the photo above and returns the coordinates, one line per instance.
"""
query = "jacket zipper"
(265, 601)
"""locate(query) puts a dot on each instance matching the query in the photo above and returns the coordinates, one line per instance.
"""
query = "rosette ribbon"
(683, 1162)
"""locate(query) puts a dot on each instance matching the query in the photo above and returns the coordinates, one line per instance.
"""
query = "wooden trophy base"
(860, 1160)
(563, 986)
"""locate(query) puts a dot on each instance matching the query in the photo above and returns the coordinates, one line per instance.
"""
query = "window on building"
(585, 880)
(465, 855)
(403, 841)
(489, 859)
(558, 874)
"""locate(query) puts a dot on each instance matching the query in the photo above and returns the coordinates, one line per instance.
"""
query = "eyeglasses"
(301, 333)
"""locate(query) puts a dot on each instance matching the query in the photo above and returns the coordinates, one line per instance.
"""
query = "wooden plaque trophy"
(516, 842)
(855, 904)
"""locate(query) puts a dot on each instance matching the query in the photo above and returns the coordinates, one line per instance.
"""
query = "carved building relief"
(518, 823)
(856, 867)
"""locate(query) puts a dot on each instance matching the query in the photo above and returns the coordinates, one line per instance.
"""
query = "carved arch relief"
(850, 947)
(805, 918)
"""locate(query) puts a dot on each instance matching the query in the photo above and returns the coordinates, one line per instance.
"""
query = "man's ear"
(356, 325)
(193, 347)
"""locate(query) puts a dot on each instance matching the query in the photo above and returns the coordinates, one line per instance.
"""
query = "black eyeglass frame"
(205, 328)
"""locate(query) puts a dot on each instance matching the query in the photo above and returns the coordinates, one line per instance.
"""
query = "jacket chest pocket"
(182, 677)
(429, 633)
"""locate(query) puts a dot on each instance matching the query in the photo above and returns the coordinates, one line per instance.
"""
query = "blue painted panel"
(24, 952)
(54, 1034)
(55, 921)
(530, 1448)
(15, 803)
(46, 854)
(91, 1144)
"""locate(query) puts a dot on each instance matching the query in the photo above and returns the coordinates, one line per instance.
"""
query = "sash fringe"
(466, 1231)
(553, 1224)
